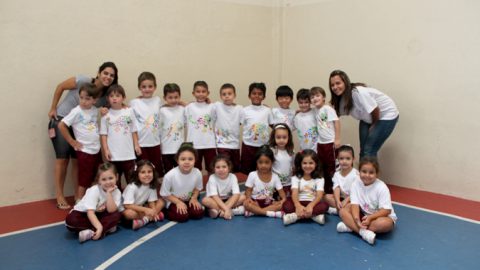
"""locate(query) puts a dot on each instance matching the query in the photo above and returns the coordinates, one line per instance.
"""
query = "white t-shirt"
(199, 119)
(307, 189)
(224, 188)
(181, 185)
(95, 198)
(283, 166)
(326, 129)
(307, 131)
(119, 125)
(366, 99)
(85, 127)
(256, 121)
(227, 125)
(147, 114)
(139, 195)
(172, 122)
(285, 116)
(345, 183)
(371, 198)
(262, 190)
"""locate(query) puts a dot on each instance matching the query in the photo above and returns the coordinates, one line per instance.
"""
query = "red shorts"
(169, 162)
(208, 154)
(326, 154)
(87, 167)
(154, 155)
(247, 162)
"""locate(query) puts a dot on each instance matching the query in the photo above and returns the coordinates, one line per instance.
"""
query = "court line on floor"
(32, 229)
(134, 245)
(438, 213)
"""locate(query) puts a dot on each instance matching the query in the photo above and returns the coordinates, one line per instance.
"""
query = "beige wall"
(424, 54)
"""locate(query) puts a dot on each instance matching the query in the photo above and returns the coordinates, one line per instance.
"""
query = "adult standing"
(106, 76)
(376, 111)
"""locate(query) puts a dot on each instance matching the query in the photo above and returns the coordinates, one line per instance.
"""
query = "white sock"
(274, 214)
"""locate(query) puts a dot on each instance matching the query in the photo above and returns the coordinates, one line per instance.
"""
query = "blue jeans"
(372, 140)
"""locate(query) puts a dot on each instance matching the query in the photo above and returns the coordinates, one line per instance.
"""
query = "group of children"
(279, 184)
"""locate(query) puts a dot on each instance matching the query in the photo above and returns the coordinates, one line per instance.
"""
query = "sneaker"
(238, 211)
(112, 230)
(320, 219)
(85, 235)
(275, 214)
(342, 227)
(332, 211)
(213, 213)
(138, 223)
(368, 236)
(160, 217)
(289, 219)
(248, 214)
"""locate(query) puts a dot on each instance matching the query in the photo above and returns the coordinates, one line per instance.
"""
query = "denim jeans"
(372, 140)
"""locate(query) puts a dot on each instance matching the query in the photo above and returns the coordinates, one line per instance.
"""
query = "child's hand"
(138, 150)
(337, 143)
(101, 208)
(151, 213)
(308, 211)
(359, 224)
(300, 211)
(181, 208)
(98, 233)
(343, 203)
(111, 189)
(103, 111)
(366, 220)
(227, 214)
(195, 204)
(76, 145)
(106, 155)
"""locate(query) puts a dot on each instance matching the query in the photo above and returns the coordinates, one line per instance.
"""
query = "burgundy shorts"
(247, 162)
(191, 213)
(289, 207)
(124, 167)
(169, 162)
(208, 154)
(154, 155)
(234, 155)
(326, 154)
(263, 202)
(87, 168)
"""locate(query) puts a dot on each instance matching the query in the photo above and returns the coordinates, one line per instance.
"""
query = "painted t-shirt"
(199, 120)
(306, 129)
(326, 129)
(256, 121)
(262, 190)
(119, 125)
(147, 114)
(85, 127)
(181, 185)
(284, 116)
(227, 125)
(172, 122)
(307, 189)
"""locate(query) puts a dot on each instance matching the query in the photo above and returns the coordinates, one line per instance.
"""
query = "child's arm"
(366, 220)
(233, 200)
(283, 196)
(111, 206)
(356, 215)
(248, 195)
(138, 150)
(147, 211)
(309, 209)
(66, 134)
(336, 195)
(194, 200)
(92, 217)
(106, 152)
(336, 125)
(299, 208)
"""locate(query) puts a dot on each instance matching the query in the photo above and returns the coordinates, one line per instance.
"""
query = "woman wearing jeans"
(377, 112)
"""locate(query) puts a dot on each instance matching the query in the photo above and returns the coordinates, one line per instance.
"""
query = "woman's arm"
(68, 84)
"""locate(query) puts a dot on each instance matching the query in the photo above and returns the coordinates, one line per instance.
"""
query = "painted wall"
(423, 54)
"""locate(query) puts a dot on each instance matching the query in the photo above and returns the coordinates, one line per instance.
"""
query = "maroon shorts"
(263, 202)
(77, 221)
(87, 168)
(191, 213)
(289, 207)
(234, 155)
(124, 167)
(154, 155)
(247, 162)
(208, 155)
(169, 162)
(326, 154)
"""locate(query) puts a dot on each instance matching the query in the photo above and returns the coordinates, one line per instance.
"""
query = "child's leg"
(87, 169)
(209, 154)
(381, 225)
(195, 213)
(108, 220)
(130, 214)
(77, 221)
(347, 218)
(260, 208)
(320, 208)
(168, 162)
(154, 155)
(288, 206)
(159, 204)
(330, 200)
(247, 161)
(173, 215)
(199, 159)
(326, 153)
(210, 203)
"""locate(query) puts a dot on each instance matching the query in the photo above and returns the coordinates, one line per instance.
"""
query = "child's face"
(368, 174)
(256, 96)
(281, 137)
(107, 180)
(308, 165)
(200, 93)
(172, 99)
(228, 96)
(337, 85)
(106, 76)
(284, 102)
(221, 169)
(145, 174)
(86, 101)
(304, 105)
(115, 100)
(345, 160)
(264, 164)
(147, 88)
(318, 100)
(186, 161)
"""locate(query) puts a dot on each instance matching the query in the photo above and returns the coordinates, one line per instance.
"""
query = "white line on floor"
(32, 229)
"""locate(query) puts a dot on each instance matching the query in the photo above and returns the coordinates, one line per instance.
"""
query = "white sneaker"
(368, 236)
(320, 219)
(342, 227)
(248, 214)
(85, 235)
(275, 214)
(332, 211)
(289, 218)
(238, 211)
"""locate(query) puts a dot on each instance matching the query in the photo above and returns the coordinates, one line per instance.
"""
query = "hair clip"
(135, 167)
(280, 125)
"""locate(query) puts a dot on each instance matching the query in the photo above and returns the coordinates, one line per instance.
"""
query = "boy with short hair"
(304, 122)
(283, 113)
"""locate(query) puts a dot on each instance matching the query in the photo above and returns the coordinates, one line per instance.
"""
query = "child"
(223, 194)
(118, 133)
(97, 212)
(181, 187)
(261, 185)
(307, 190)
(84, 121)
(281, 142)
(140, 199)
(172, 124)
(283, 114)
(342, 180)
(370, 210)
(304, 122)
(199, 120)
(147, 113)
(256, 119)
(227, 125)
(328, 134)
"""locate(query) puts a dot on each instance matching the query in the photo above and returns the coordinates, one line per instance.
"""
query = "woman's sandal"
(63, 206)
